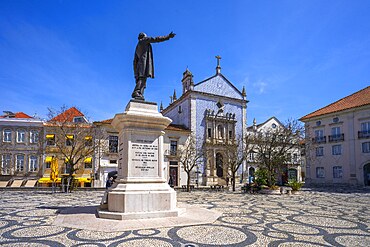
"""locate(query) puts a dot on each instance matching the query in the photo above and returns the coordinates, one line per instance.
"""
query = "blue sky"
(293, 57)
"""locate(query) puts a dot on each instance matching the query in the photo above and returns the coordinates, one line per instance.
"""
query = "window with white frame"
(295, 158)
(320, 172)
(365, 127)
(34, 136)
(6, 164)
(33, 163)
(79, 119)
(319, 136)
(19, 162)
(21, 136)
(7, 135)
(336, 149)
(335, 131)
(251, 156)
(320, 151)
(337, 172)
(366, 147)
(173, 147)
(319, 133)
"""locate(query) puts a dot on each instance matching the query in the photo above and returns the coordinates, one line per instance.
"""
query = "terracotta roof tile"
(68, 115)
(18, 115)
(107, 121)
(360, 98)
(22, 115)
(177, 127)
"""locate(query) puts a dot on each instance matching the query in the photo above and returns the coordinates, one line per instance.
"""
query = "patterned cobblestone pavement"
(311, 218)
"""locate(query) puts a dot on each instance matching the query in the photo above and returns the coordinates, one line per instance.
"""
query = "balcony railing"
(364, 134)
(319, 139)
(171, 152)
(336, 138)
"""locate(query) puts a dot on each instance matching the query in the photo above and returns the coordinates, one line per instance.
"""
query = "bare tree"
(275, 146)
(189, 157)
(234, 158)
(71, 138)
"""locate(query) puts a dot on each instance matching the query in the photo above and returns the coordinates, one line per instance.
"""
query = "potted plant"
(295, 185)
(261, 180)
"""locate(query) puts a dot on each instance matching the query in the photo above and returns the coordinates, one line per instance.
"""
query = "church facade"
(215, 112)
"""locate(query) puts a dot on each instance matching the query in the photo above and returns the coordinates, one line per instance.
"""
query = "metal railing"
(319, 139)
(364, 134)
(336, 138)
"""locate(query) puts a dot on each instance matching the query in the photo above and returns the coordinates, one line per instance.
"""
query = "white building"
(20, 148)
(338, 141)
(215, 112)
(292, 170)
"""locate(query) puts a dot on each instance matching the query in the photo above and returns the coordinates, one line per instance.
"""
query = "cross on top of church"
(218, 68)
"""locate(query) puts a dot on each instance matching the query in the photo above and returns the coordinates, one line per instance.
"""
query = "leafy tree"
(274, 147)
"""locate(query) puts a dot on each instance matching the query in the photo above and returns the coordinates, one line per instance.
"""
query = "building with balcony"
(69, 139)
(338, 141)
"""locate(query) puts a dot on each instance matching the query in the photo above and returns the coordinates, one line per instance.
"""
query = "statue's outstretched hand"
(172, 35)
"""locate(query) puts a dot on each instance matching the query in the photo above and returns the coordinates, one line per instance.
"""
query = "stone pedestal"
(141, 190)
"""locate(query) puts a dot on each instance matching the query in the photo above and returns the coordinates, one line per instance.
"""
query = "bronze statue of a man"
(143, 62)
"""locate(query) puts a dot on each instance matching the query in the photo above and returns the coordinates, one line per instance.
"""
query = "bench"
(249, 188)
(286, 190)
(183, 187)
(217, 187)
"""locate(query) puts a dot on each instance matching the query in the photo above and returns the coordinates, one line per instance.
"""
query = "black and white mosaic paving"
(312, 218)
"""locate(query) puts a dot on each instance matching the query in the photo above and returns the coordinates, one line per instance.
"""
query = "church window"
(209, 133)
(230, 134)
(220, 129)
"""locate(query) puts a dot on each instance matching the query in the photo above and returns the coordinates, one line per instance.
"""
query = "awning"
(88, 160)
(50, 136)
(48, 159)
(48, 180)
(84, 180)
(69, 136)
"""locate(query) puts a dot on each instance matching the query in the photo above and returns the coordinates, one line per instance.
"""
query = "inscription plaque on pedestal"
(144, 152)
(141, 190)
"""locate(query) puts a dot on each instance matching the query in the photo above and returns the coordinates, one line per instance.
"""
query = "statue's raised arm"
(143, 62)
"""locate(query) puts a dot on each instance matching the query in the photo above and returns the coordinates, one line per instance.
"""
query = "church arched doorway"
(251, 172)
(367, 174)
(219, 165)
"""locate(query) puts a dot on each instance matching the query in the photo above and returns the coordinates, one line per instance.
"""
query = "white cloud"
(260, 86)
